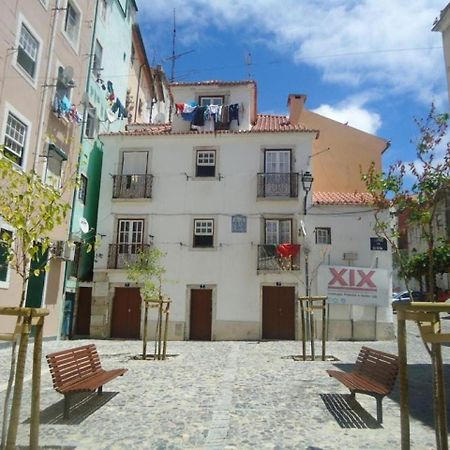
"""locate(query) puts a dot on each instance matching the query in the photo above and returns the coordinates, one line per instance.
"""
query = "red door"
(126, 314)
(83, 323)
(278, 313)
(201, 315)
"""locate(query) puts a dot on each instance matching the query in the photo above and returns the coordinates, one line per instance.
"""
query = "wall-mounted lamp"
(307, 181)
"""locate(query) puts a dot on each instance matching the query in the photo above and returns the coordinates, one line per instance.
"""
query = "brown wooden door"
(201, 315)
(278, 312)
(83, 324)
(126, 314)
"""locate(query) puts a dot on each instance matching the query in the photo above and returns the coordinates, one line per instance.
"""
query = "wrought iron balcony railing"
(121, 255)
(132, 186)
(281, 185)
(272, 258)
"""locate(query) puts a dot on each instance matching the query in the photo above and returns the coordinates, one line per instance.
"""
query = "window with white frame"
(205, 163)
(15, 139)
(323, 235)
(55, 160)
(130, 235)
(91, 129)
(278, 231)
(203, 233)
(27, 52)
(5, 239)
(72, 22)
(98, 56)
(211, 100)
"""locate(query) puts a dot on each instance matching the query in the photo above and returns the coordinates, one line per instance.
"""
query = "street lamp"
(307, 181)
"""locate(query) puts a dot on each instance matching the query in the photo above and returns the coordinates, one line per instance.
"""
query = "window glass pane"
(72, 22)
(4, 255)
(204, 227)
(15, 137)
(285, 231)
(27, 51)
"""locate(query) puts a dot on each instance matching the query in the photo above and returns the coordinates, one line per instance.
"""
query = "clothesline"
(197, 115)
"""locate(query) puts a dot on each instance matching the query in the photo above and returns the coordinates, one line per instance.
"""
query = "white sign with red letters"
(345, 285)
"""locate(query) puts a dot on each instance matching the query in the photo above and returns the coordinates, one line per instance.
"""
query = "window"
(55, 160)
(91, 123)
(63, 85)
(278, 231)
(98, 54)
(103, 5)
(206, 163)
(323, 235)
(205, 101)
(82, 189)
(15, 139)
(130, 235)
(203, 232)
(27, 53)
(5, 238)
(72, 22)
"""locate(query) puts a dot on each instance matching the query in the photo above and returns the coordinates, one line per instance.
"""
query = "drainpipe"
(74, 197)
(46, 85)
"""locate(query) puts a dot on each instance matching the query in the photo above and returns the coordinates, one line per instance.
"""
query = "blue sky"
(373, 63)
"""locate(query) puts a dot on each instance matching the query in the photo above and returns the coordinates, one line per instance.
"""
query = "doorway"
(126, 313)
(278, 313)
(201, 315)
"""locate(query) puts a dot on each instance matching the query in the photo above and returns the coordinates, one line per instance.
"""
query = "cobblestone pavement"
(230, 395)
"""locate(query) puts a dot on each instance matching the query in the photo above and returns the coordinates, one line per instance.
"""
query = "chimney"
(296, 102)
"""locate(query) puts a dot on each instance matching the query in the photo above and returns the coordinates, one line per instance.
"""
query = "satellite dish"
(84, 225)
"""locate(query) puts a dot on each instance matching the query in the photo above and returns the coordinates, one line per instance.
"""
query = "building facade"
(42, 47)
(229, 206)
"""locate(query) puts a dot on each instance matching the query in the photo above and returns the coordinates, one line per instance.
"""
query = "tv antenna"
(249, 63)
(174, 56)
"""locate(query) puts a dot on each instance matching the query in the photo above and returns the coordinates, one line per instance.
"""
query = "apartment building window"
(55, 160)
(72, 22)
(206, 163)
(211, 100)
(278, 231)
(203, 232)
(323, 235)
(27, 52)
(98, 55)
(15, 139)
(130, 235)
(82, 189)
(91, 123)
(5, 237)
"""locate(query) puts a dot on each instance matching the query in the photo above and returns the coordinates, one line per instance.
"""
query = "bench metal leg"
(100, 390)
(379, 410)
(66, 406)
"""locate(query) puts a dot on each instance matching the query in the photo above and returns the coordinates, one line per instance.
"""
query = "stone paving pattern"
(230, 395)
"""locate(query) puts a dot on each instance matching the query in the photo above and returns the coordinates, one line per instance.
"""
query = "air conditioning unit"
(64, 250)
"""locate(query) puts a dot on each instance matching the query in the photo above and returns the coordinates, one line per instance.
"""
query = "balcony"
(121, 255)
(275, 258)
(132, 186)
(278, 185)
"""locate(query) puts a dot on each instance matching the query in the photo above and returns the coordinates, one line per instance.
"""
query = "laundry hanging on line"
(197, 115)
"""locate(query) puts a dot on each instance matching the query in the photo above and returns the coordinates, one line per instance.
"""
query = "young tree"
(32, 209)
(148, 271)
(421, 198)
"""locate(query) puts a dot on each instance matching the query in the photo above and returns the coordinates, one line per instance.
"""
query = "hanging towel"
(234, 112)
(199, 117)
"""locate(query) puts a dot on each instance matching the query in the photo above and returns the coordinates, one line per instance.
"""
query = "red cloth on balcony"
(288, 250)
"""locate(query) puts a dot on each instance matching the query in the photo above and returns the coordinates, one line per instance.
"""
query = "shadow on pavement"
(348, 412)
(81, 407)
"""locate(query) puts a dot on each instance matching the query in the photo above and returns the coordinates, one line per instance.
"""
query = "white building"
(219, 199)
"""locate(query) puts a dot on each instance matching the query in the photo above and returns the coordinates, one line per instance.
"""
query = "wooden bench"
(79, 370)
(374, 374)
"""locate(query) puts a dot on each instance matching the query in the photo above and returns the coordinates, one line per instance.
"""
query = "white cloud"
(353, 42)
(352, 114)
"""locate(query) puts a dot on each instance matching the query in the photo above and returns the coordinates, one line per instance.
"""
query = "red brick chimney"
(295, 103)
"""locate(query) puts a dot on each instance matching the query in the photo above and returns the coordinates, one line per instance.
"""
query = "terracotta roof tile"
(213, 83)
(265, 123)
(341, 198)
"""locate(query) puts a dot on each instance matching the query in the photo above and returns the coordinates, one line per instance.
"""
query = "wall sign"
(239, 224)
(378, 243)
